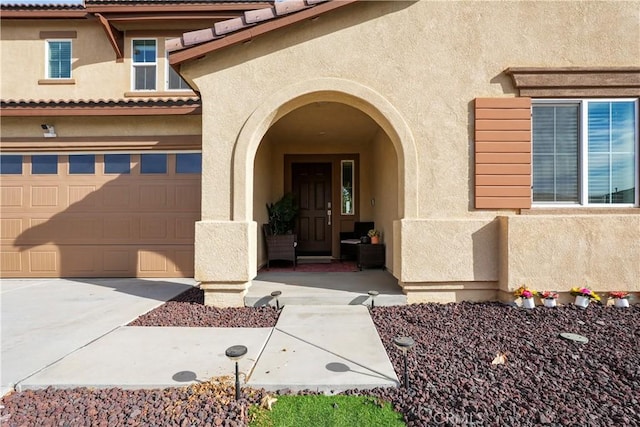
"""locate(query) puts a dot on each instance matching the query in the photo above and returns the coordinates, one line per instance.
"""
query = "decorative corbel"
(115, 36)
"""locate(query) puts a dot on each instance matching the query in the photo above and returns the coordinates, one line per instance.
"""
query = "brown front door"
(311, 185)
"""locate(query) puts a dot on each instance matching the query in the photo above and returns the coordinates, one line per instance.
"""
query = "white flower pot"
(528, 303)
(549, 302)
(621, 302)
(582, 301)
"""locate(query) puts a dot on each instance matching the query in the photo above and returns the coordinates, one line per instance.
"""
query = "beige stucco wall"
(383, 176)
(558, 252)
(263, 185)
(427, 61)
(67, 127)
(95, 71)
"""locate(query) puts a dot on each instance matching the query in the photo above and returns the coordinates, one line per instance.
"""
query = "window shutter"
(503, 153)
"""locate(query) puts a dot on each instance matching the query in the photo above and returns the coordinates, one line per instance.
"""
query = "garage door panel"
(10, 228)
(154, 228)
(43, 261)
(10, 262)
(99, 261)
(83, 197)
(152, 197)
(119, 228)
(11, 196)
(80, 261)
(186, 227)
(44, 196)
(117, 260)
(187, 196)
(184, 262)
(115, 197)
(128, 225)
(152, 262)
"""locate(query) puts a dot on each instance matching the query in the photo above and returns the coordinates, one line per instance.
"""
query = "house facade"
(493, 144)
(101, 139)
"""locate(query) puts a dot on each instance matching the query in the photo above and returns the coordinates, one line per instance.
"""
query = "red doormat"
(335, 266)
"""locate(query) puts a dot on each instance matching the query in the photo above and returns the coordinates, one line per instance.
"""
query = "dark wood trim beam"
(115, 36)
(540, 82)
(108, 143)
(212, 16)
(164, 9)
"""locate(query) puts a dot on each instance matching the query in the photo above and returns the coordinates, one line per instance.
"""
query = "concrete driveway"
(44, 320)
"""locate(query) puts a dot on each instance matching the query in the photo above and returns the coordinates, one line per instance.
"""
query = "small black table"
(371, 255)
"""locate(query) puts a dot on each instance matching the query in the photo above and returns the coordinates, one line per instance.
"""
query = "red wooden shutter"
(503, 153)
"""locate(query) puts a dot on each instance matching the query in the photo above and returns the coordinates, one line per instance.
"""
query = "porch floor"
(326, 288)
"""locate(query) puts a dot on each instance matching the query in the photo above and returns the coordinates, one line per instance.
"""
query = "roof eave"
(44, 14)
(60, 111)
(197, 51)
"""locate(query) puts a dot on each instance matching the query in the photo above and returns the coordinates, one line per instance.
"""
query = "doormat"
(335, 266)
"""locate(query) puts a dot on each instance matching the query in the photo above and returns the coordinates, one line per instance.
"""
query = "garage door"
(99, 215)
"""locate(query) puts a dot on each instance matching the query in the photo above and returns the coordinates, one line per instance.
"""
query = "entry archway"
(329, 90)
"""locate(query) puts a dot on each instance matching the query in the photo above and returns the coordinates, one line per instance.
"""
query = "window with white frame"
(174, 81)
(585, 152)
(58, 64)
(144, 62)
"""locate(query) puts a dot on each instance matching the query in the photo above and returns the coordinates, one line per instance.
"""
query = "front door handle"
(329, 217)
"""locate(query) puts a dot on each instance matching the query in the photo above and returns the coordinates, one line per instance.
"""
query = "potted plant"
(282, 215)
(280, 240)
(620, 298)
(549, 298)
(526, 294)
(374, 235)
(584, 296)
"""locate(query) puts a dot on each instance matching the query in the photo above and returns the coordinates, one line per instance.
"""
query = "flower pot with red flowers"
(549, 298)
(526, 295)
(620, 298)
(584, 296)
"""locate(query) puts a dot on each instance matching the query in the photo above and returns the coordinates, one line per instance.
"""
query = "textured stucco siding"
(429, 60)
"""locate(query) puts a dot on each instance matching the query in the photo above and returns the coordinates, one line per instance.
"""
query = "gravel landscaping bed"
(545, 380)
(188, 309)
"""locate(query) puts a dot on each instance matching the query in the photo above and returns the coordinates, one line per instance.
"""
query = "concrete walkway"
(324, 348)
(66, 333)
(349, 288)
(44, 320)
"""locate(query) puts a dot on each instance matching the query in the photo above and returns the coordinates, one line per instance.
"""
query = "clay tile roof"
(99, 102)
(80, 4)
(44, 4)
(280, 14)
(103, 2)
(101, 107)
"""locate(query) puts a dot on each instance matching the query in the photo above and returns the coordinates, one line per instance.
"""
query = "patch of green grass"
(318, 411)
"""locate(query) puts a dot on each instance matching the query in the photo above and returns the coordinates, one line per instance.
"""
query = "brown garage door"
(99, 215)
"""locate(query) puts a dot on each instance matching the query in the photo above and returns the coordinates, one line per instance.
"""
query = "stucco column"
(225, 260)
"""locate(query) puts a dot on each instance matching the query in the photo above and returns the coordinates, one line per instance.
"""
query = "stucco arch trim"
(302, 93)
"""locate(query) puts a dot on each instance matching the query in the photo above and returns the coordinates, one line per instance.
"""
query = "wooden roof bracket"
(115, 36)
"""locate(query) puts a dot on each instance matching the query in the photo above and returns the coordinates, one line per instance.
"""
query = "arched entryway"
(308, 122)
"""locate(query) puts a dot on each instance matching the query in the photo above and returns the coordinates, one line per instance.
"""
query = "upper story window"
(174, 81)
(58, 62)
(144, 63)
(585, 152)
